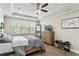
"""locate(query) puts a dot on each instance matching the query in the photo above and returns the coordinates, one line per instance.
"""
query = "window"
(23, 28)
(18, 26)
(1, 25)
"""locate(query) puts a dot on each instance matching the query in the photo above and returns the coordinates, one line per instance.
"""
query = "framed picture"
(70, 23)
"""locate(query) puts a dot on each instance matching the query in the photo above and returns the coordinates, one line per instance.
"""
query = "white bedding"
(19, 41)
(6, 47)
(16, 41)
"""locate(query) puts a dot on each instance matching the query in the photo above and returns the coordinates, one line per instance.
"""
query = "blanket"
(19, 41)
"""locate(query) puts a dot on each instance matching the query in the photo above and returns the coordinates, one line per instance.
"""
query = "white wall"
(71, 35)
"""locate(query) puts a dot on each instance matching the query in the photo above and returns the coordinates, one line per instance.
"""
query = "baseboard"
(75, 51)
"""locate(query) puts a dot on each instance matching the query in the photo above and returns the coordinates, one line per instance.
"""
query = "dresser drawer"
(48, 37)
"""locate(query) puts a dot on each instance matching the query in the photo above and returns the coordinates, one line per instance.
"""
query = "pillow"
(7, 37)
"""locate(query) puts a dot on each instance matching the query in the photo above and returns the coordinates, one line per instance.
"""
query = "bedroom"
(28, 25)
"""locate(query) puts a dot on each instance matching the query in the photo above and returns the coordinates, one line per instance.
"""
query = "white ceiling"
(29, 8)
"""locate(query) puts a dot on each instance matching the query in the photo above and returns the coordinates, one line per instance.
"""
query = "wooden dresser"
(48, 37)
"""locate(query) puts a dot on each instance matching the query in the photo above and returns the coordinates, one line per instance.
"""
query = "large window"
(21, 28)
(18, 26)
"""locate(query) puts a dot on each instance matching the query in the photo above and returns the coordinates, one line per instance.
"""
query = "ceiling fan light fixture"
(37, 12)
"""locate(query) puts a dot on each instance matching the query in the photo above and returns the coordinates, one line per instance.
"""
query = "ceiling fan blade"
(44, 5)
(44, 10)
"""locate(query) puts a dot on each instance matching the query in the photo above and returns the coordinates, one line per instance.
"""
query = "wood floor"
(53, 51)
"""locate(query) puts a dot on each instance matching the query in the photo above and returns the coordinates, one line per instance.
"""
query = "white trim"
(22, 18)
(75, 51)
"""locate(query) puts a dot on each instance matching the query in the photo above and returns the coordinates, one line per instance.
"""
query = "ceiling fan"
(40, 7)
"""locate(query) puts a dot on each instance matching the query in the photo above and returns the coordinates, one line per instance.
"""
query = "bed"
(32, 44)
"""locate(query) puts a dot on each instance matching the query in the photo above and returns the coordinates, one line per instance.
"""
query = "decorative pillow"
(7, 37)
